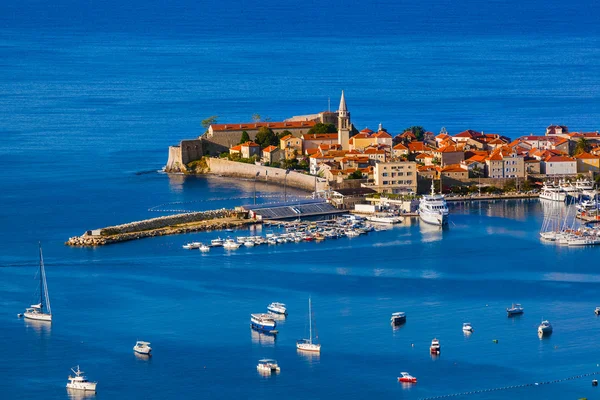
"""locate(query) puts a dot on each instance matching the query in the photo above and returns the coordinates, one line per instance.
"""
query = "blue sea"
(91, 95)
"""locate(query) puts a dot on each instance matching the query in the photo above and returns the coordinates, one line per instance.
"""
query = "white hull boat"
(142, 348)
(277, 308)
(307, 344)
(384, 219)
(42, 310)
(80, 382)
(268, 366)
(545, 328)
(433, 208)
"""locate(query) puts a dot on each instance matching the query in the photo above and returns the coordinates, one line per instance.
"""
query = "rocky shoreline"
(170, 225)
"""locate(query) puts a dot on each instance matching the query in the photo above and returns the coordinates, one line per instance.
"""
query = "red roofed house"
(556, 130)
(271, 154)
(246, 150)
(314, 140)
(455, 171)
(291, 145)
(429, 172)
(382, 137)
(399, 150)
(449, 155)
(587, 162)
(504, 162)
(558, 165)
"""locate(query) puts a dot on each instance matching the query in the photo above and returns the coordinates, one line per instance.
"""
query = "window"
(385, 182)
(385, 174)
(408, 173)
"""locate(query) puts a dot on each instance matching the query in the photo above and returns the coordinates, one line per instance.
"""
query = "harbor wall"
(186, 152)
(169, 220)
(295, 179)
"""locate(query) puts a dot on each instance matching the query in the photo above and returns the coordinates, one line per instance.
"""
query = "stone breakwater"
(168, 225)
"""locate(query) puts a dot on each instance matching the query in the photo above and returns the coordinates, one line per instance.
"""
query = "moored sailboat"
(307, 344)
(42, 310)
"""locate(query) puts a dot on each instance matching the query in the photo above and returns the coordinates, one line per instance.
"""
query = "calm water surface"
(92, 94)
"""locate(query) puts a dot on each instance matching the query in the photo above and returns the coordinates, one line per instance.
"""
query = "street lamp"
(256, 176)
(287, 171)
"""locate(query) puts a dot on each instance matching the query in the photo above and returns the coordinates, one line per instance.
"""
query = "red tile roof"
(270, 149)
(382, 134)
(320, 136)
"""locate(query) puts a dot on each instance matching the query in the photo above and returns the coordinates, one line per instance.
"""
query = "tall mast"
(41, 278)
(43, 285)
(310, 321)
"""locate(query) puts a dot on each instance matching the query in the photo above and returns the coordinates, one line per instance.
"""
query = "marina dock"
(293, 210)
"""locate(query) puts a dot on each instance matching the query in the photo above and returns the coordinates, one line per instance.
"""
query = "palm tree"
(582, 145)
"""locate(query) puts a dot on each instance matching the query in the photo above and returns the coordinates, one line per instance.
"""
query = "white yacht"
(42, 310)
(268, 366)
(552, 192)
(384, 218)
(433, 208)
(142, 347)
(204, 248)
(277, 308)
(307, 344)
(80, 382)
(467, 327)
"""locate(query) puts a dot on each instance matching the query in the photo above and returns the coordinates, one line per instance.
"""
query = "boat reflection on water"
(311, 357)
(431, 233)
(42, 328)
(142, 357)
(278, 317)
(75, 394)
(263, 339)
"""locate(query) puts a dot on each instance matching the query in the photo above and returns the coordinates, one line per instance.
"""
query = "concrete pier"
(161, 226)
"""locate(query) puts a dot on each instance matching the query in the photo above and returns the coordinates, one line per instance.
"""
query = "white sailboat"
(307, 344)
(42, 310)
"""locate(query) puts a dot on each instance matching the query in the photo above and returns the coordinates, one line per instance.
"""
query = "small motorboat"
(268, 366)
(263, 323)
(467, 327)
(80, 382)
(142, 347)
(204, 248)
(398, 318)
(516, 309)
(231, 244)
(597, 311)
(435, 347)
(545, 328)
(277, 308)
(406, 377)
(249, 243)
(216, 242)
(192, 245)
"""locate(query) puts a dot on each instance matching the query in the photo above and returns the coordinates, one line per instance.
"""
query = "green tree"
(245, 137)
(436, 161)
(418, 131)
(266, 137)
(582, 146)
(209, 121)
(323, 128)
(284, 133)
(356, 175)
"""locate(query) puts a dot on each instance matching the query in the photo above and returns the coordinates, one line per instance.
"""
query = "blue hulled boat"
(263, 322)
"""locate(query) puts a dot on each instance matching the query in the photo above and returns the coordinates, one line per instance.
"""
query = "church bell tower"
(344, 125)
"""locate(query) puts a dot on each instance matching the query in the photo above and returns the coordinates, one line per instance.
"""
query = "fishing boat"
(277, 308)
(263, 322)
(142, 347)
(204, 248)
(307, 344)
(433, 208)
(406, 378)
(545, 328)
(80, 382)
(398, 318)
(42, 310)
(435, 347)
(467, 327)
(515, 309)
(268, 365)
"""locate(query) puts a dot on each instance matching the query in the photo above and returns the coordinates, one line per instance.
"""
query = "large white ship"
(433, 208)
